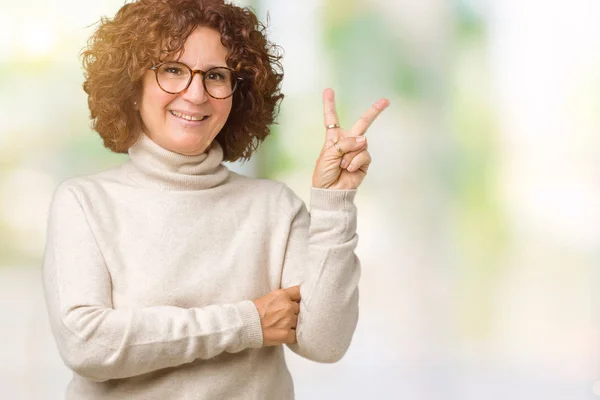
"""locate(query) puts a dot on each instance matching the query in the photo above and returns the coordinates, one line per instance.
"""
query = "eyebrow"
(206, 67)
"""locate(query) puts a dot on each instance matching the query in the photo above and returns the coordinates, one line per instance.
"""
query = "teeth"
(184, 116)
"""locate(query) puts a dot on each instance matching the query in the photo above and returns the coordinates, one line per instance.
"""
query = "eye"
(215, 76)
(173, 70)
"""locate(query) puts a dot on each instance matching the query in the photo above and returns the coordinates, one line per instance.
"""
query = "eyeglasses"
(174, 77)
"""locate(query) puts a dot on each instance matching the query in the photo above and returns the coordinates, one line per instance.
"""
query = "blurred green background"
(479, 221)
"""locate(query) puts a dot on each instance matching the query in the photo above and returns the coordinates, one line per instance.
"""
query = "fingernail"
(360, 139)
(343, 164)
(350, 168)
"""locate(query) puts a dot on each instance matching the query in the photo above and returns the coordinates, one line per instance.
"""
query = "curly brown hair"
(146, 32)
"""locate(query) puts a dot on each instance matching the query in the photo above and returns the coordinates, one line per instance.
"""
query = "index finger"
(330, 116)
(293, 292)
(365, 121)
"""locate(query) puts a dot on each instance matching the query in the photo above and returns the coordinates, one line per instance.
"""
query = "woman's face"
(163, 113)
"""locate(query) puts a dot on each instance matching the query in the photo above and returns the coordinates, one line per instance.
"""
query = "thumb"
(293, 292)
(347, 145)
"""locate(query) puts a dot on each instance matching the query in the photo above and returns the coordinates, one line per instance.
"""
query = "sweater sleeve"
(320, 257)
(100, 342)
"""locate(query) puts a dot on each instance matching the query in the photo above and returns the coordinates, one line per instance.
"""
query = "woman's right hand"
(278, 312)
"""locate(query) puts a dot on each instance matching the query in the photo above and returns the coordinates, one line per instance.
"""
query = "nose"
(195, 93)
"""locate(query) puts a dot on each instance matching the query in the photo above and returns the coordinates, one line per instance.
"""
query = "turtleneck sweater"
(150, 269)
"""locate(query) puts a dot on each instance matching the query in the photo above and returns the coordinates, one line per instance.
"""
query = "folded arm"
(100, 342)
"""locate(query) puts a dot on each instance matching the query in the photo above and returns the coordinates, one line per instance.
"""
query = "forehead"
(203, 47)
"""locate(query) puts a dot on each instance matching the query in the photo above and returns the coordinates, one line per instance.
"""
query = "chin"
(190, 144)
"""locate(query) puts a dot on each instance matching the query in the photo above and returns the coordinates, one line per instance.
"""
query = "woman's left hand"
(344, 159)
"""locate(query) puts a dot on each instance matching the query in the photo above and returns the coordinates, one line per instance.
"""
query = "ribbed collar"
(154, 166)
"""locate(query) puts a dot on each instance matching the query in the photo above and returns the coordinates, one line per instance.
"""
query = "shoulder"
(82, 185)
(75, 200)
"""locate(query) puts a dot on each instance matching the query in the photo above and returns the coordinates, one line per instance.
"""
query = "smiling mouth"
(187, 117)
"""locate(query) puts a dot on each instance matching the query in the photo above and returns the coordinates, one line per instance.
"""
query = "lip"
(188, 122)
(190, 113)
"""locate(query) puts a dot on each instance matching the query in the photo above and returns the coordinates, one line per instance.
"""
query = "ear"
(137, 96)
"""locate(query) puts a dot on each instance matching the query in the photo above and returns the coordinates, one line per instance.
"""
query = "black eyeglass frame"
(202, 74)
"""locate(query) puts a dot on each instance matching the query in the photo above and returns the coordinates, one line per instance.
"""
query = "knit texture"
(150, 269)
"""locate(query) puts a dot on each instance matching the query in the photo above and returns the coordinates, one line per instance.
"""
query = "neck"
(154, 166)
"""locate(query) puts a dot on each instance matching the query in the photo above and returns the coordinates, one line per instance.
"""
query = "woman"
(171, 277)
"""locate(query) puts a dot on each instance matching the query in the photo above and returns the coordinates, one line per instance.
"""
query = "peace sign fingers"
(344, 160)
(363, 123)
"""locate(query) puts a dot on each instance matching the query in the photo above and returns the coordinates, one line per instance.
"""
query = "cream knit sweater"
(151, 267)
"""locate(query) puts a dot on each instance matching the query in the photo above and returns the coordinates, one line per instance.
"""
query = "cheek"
(224, 109)
(152, 96)
(154, 104)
